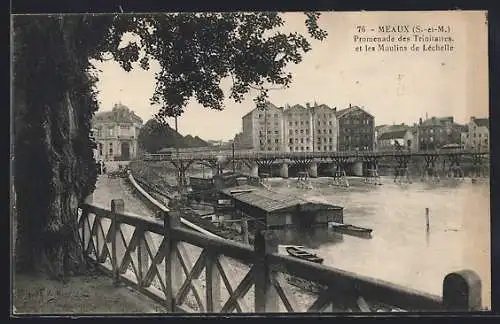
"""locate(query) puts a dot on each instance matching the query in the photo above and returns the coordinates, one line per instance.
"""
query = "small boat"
(304, 255)
(351, 229)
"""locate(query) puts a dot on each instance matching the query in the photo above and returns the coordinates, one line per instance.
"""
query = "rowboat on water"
(351, 229)
(304, 255)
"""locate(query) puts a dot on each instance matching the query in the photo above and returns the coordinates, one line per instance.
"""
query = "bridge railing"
(252, 154)
(187, 271)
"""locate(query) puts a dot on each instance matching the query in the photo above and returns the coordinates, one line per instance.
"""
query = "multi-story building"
(115, 133)
(356, 129)
(435, 132)
(263, 129)
(477, 134)
(291, 129)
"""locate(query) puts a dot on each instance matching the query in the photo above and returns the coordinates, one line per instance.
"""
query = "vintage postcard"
(250, 162)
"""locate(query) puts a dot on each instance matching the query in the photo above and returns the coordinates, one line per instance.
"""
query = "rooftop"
(393, 134)
(119, 114)
(482, 122)
(270, 201)
(343, 112)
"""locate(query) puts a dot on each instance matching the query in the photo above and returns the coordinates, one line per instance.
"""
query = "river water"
(400, 249)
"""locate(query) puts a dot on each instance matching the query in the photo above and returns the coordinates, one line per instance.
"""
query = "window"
(319, 131)
(290, 123)
(100, 148)
(330, 123)
(260, 115)
(291, 149)
(296, 140)
(290, 141)
(330, 140)
(307, 131)
(319, 139)
(301, 122)
(302, 140)
(296, 148)
(302, 131)
(329, 131)
(324, 147)
(307, 148)
(275, 115)
(275, 123)
(296, 123)
(290, 132)
(301, 148)
(276, 132)
(479, 135)
(277, 149)
(307, 140)
(319, 148)
(276, 141)
(307, 122)
(268, 141)
(296, 131)
(319, 123)
(330, 147)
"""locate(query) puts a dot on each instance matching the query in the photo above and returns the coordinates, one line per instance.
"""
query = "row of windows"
(356, 137)
(301, 148)
(358, 121)
(357, 130)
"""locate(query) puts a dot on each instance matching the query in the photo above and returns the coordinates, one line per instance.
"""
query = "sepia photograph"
(250, 162)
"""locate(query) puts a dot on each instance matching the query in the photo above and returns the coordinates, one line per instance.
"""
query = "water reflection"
(401, 249)
(311, 238)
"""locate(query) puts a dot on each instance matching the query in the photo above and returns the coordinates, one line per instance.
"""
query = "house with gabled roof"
(478, 134)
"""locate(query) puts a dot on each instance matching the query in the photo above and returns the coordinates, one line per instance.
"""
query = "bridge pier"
(254, 170)
(313, 170)
(357, 169)
(284, 170)
(454, 169)
(430, 169)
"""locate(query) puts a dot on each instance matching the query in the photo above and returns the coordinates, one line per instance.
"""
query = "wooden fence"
(155, 256)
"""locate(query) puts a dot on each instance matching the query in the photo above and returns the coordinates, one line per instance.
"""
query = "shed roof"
(270, 201)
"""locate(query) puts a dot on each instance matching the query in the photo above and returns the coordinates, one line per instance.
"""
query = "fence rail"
(158, 258)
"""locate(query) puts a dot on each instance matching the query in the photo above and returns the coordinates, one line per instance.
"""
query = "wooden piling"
(427, 218)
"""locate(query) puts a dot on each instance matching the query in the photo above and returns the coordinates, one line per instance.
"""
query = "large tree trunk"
(54, 167)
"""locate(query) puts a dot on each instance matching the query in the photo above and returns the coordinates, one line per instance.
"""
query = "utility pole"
(234, 167)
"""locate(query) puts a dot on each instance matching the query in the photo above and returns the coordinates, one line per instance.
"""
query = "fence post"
(213, 284)
(266, 297)
(462, 291)
(142, 256)
(173, 268)
(117, 207)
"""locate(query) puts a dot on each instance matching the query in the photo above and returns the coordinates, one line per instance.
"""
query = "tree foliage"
(155, 136)
(55, 98)
(196, 51)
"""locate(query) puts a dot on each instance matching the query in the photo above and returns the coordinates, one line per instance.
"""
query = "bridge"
(188, 269)
(359, 163)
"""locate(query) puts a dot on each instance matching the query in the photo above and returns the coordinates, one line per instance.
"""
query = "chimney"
(308, 105)
(420, 121)
(335, 109)
(350, 105)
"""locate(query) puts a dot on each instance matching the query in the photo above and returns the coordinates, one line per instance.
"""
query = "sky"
(395, 87)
